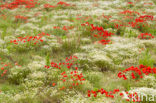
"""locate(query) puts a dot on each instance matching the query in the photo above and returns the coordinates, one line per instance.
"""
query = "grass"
(146, 59)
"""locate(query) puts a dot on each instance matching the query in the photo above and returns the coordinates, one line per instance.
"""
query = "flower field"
(77, 51)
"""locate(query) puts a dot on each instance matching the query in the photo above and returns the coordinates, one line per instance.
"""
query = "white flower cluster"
(144, 90)
(36, 65)
(37, 75)
(122, 52)
(150, 81)
(77, 98)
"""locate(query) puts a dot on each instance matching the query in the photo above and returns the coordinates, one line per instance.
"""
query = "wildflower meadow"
(77, 51)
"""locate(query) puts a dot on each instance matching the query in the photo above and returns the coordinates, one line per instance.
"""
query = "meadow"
(77, 51)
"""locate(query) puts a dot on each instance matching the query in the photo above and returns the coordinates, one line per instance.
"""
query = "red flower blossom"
(141, 70)
(101, 34)
(145, 36)
(54, 84)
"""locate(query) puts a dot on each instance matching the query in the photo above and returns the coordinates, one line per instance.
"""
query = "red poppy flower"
(54, 84)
